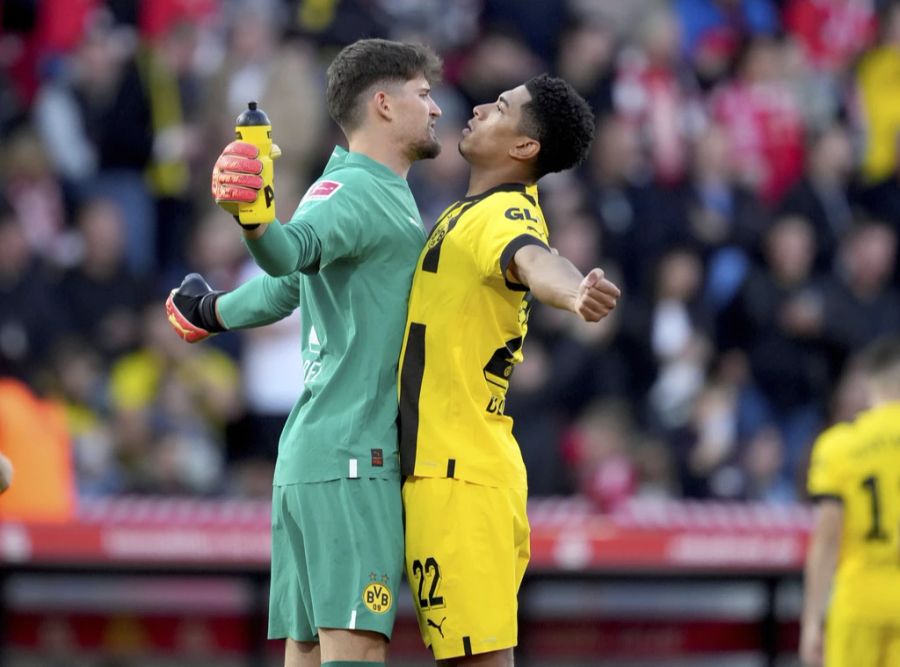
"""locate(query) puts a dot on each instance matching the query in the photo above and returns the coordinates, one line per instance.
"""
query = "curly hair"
(368, 62)
(560, 119)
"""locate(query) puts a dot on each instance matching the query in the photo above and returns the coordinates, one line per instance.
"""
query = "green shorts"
(337, 556)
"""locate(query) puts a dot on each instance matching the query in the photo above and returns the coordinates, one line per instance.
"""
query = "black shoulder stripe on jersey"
(410, 389)
(529, 198)
(506, 257)
(819, 497)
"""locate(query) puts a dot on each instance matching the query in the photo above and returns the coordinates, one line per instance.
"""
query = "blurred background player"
(854, 477)
(347, 258)
(487, 256)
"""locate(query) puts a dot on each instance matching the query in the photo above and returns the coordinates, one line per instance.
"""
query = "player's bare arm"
(820, 566)
(554, 280)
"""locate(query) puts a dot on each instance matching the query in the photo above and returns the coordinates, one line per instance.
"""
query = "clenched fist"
(597, 296)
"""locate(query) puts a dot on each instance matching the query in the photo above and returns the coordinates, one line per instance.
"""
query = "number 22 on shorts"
(429, 580)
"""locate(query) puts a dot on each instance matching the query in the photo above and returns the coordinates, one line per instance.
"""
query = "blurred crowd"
(743, 190)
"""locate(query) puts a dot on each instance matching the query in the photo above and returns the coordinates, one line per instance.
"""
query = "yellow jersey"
(858, 463)
(465, 329)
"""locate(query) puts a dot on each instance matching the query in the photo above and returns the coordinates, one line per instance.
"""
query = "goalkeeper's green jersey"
(353, 295)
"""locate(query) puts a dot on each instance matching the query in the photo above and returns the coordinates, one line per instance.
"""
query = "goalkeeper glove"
(191, 309)
(238, 176)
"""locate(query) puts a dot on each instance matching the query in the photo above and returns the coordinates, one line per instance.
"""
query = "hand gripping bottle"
(253, 126)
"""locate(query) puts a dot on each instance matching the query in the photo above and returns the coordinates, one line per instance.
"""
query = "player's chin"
(426, 150)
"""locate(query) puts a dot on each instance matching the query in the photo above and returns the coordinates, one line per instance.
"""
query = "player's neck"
(482, 180)
(381, 150)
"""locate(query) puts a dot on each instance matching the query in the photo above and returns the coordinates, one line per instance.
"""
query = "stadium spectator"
(706, 448)
(861, 303)
(102, 298)
(822, 196)
(722, 219)
(77, 382)
(779, 318)
(763, 121)
(31, 311)
(173, 88)
(170, 405)
(94, 117)
(586, 59)
(656, 93)
(677, 327)
(636, 216)
(727, 22)
(602, 454)
(763, 464)
(721, 212)
(496, 62)
(831, 33)
(878, 99)
(33, 190)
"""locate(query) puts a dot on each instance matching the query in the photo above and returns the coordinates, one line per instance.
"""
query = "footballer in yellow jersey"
(464, 492)
(855, 550)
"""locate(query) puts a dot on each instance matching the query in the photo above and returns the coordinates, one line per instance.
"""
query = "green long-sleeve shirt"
(346, 259)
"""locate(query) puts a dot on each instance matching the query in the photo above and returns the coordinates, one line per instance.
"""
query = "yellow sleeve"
(826, 466)
(513, 221)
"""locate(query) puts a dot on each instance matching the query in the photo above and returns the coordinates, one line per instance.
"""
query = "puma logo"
(436, 626)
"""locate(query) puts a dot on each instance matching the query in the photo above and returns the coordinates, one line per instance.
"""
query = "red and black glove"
(236, 177)
(191, 309)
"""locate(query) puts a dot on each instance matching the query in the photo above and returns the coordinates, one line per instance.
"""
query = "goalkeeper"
(346, 258)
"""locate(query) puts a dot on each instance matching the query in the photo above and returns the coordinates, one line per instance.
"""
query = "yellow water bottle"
(253, 126)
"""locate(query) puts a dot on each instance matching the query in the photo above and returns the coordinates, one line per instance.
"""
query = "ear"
(381, 102)
(525, 149)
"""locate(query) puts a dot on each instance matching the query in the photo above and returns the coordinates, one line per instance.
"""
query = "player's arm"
(821, 562)
(260, 301)
(196, 311)
(281, 250)
(554, 280)
(278, 249)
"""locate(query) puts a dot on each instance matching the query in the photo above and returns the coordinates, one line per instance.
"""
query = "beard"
(425, 149)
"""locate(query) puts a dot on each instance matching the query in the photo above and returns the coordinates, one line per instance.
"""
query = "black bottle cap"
(252, 116)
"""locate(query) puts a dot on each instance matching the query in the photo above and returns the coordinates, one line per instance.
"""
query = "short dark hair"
(368, 61)
(559, 118)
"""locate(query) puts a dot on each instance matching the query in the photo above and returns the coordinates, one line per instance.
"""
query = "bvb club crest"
(437, 237)
(376, 595)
